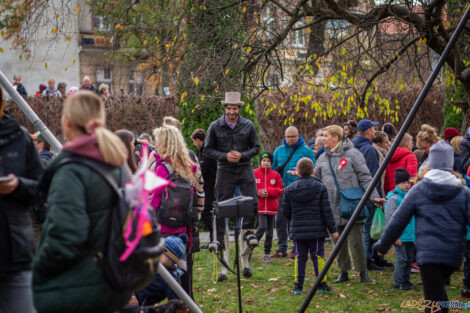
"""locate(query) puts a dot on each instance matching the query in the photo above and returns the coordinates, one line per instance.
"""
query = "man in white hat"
(232, 141)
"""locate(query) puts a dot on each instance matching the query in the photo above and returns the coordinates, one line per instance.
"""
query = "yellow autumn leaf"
(45, 65)
(248, 50)
(54, 30)
(67, 38)
(77, 9)
(117, 26)
(66, 69)
(1, 49)
(343, 52)
(145, 42)
(203, 98)
(196, 81)
(20, 57)
(226, 71)
(58, 15)
(2, 33)
(73, 62)
(183, 95)
(244, 9)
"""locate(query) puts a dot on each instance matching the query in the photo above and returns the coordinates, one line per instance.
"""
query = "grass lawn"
(268, 290)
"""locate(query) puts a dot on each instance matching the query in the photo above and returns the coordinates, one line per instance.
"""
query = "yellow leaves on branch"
(196, 81)
(45, 65)
(54, 31)
(77, 9)
(67, 38)
(1, 49)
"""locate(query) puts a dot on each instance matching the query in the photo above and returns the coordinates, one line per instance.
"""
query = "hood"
(361, 141)
(9, 130)
(46, 155)
(347, 145)
(85, 145)
(399, 154)
(441, 185)
(298, 144)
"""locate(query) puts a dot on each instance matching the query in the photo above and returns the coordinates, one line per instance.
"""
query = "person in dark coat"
(66, 275)
(232, 141)
(363, 143)
(440, 203)
(306, 207)
(465, 150)
(87, 85)
(20, 169)
(18, 83)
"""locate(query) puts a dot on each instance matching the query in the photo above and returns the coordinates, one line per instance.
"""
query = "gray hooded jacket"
(354, 174)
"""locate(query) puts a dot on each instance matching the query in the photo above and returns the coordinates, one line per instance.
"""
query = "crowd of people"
(305, 190)
(60, 90)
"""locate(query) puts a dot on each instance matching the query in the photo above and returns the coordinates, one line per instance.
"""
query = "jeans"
(404, 255)
(434, 278)
(266, 225)
(368, 242)
(16, 294)
(466, 265)
(281, 231)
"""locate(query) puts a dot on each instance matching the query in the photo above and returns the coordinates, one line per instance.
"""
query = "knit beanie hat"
(175, 247)
(450, 133)
(441, 156)
(401, 176)
(266, 154)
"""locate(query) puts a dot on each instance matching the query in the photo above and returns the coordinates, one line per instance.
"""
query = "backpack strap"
(168, 167)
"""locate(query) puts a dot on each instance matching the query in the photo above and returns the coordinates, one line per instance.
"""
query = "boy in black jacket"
(306, 206)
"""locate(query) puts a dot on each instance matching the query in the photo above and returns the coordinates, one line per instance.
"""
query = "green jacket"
(66, 278)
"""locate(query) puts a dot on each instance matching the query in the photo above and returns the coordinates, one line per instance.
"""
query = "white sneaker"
(267, 258)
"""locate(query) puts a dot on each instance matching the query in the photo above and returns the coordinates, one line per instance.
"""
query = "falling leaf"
(54, 30)
(196, 81)
(342, 296)
(274, 279)
(77, 9)
(45, 65)
(67, 38)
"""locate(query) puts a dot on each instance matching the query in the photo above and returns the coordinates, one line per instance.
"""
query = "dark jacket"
(18, 156)
(305, 204)
(21, 90)
(92, 88)
(371, 155)
(45, 157)
(66, 276)
(221, 139)
(441, 209)
(465, 151)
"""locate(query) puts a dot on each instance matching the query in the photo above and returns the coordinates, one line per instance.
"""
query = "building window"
(101, 24)
(136, 83)
(299, 35)
(337, 28)
(104, 76)
(268, 20)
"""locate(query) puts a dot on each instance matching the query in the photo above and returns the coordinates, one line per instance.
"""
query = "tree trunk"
(316, 43)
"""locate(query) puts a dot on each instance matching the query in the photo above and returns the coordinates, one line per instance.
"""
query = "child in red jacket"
(270, 188)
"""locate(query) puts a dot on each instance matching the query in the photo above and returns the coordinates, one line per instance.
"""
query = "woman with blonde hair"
(424, 141)
(79, 204)
(172, 151)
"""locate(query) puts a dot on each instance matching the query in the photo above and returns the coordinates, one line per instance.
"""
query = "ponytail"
(87, 115)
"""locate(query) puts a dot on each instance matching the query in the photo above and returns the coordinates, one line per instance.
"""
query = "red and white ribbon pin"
(342, 163)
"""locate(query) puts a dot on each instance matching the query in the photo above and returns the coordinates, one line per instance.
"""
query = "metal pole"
(30, 114)
(178, 289)
(389, 155)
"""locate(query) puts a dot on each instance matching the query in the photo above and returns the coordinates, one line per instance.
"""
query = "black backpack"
(140, 268)
(176, 205)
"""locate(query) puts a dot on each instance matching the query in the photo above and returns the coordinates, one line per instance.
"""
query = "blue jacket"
(442, 209)
(394, 199)
(306, 206)
(371, 155)
(281, 154)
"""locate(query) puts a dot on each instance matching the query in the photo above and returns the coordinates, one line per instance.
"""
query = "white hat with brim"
(232, 97)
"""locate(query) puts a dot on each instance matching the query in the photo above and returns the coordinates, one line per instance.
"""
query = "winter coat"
(221, 139)
(51, 92)
(91, 88)
(354, 174)
(441, 206)
(21, 90)
(402, 158)
(271, 181)
(18, 156)
(66, 276)
(305, 204)
(281, 154)
(465, 151)
(364, 145)
(394, 199)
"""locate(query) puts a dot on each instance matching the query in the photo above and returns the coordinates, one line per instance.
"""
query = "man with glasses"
(285, 159)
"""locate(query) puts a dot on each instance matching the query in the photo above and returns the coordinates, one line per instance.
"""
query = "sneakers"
(247, 272)
(250, 238)
(279, 254)
(414, 268)
(324, 288)
(221, 278)
(297, 290)
(267, 258)
(465, 293)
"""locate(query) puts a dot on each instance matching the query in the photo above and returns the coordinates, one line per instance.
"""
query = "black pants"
(206, 215)
(434, 278)
(266, 225)
(228, 178)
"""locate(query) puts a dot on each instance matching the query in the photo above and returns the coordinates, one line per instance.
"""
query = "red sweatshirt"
(270, 180)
